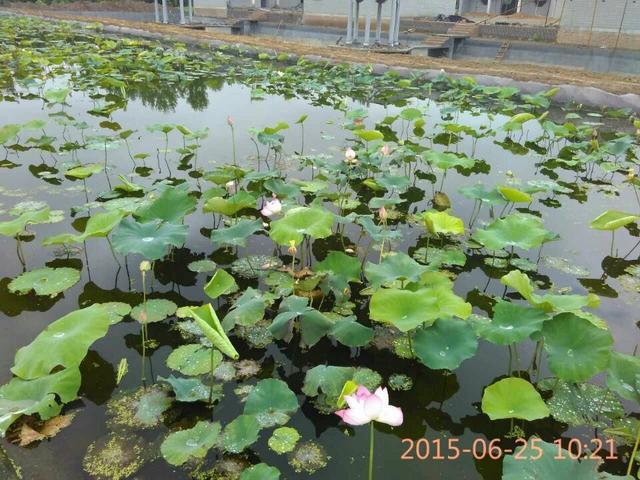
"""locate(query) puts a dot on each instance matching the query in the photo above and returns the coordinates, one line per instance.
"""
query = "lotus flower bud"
(385, 150)
(231, 187)
(383, 214)
(230, 121)
(631, 173)
(145, 266)
(292, 247)
(350, 155)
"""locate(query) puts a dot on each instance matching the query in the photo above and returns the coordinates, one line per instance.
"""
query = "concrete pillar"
(519, 7)
(397, 40)
(367, 30)
(165, 12)
(350, 22)
(356, 22)
(190, 11)
(392, 23)
(379, 23)
(156, 9)
(182, 19)
(489, 6)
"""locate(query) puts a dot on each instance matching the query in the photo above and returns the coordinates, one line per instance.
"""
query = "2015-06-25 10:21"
(437, 449)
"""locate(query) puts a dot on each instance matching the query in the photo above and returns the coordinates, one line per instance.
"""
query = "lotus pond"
(205, 256)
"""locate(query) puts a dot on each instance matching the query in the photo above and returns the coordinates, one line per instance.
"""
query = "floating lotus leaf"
(552, 465)
(269, 397)
(434, 257)
(407, 310)
(170, 206)
(150, 239)
(155, 310)
(577, 349)
(514, 195)
(445, 160)
(624, 376)
(151, 405)
(230, 206)
(254, 266)
(513, 398)
(283, 440)
(511, 323)
(192, 389)
(297, 222)
(201, 266)
(39, 396)
(209, 324)
(66, 341)
(221, 283)
(236, 234)
(445, 344)
(443, 223)
(193, 359)
(261, 471)
(45, 281)
(397, 266)
(194, 442)
(247, 310)
(613, 219)
(84, 171)
(240, 433)
(516, 230)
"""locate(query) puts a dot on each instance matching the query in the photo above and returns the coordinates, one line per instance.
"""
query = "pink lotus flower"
(271, 208)
(230, 120)
(350, 155)
(385, 149)
(383, 214)
(365, 407)
(231, 187)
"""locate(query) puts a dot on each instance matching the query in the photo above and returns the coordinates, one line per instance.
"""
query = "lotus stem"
(613, 237)
(233, 144)
(633, 453)
(371, 431)
(211, 386)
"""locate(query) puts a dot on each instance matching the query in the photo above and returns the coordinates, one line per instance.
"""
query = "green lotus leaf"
(230, 206)
(240, 433)
(549, 465)
(27, 397)
(368, 135)
(271, 398)
(247, 310)
(45, 281)
(441, 222)
(326, 378)
(407, 310)
(297, 222)
(192, 389)
(434, 257)
(613, 219)
(221, 283)
(514, 195)
(151, 239)
(150, 407)
(342, 267)
(313, 326)
(576, 348)
(623, 376)
(84, 171)
(513, 398)
(56, 95)
(511, 323)
(127, 186)
(254, 266)
(348, 331)
(66, 341)
(236, 234)
(445, 344)
(209, 324)
(8, 132)
(261, 471)
(201, 266)
(170, 206)
(193, 359)
(283, 440)
(477, 192)
(194, 442)
(397, 266)
(155, 310)
(582, 403)
(12, 228)
(516, 230)
(445, 160)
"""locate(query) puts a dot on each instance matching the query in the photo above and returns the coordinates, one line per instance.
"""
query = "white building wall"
(579, 15)
(529, 7)
(408, 8)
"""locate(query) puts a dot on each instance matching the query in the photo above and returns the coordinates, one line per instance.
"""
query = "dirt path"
(614, 83)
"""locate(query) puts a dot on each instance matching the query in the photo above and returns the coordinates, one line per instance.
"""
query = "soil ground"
(614, 83)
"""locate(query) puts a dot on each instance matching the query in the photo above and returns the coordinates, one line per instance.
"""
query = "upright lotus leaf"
(443, 223)
(407, 310)
(154, 310)
(549, 464)
(179, 447)
(577, 349)
(45, 281)
(623, 376)
(271, 402)
(513, 398)
(511, 323)
(348, 331)
(208, 322)
(56, 95)
(368, 135)
(221, 283)
(516, 230)
(313, 324)
(261, 471)
(613, 219)
(445, 344)
(477, 192)
(8, 132)
(230, 206)
(193, 359)
(445, 160)
(327, 379)
(514, 195)
(297, 222)
(150, 239)
(84, 171)
(247, 310)
(397, 266)
(237, 234)
(171, 206)
(12, 228)
(240, 433)
(66, 341)
(342, 269)
(548, 302)
(27, 397)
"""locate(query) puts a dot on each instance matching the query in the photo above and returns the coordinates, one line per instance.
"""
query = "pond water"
(441, 404)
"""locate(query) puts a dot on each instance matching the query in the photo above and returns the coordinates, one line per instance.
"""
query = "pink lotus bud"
(230, 120)
(383, 214)
(231, 187)
(350, 155)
